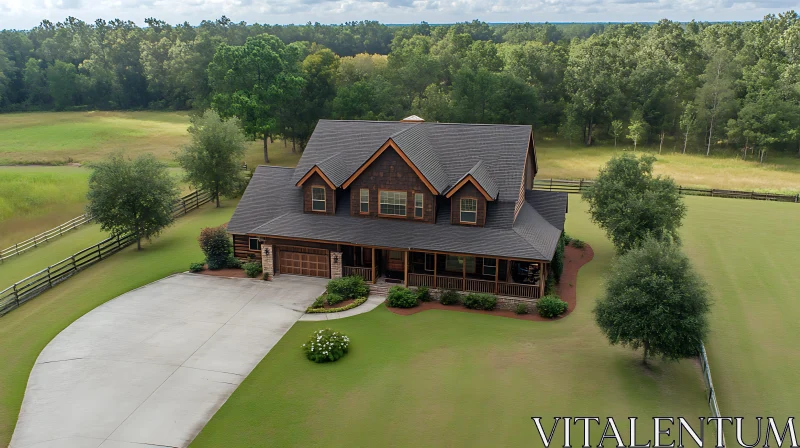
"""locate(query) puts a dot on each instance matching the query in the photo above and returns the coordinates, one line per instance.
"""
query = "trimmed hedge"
(449, 297)
(351, 305)
(196, 267)
(351, 287)
(480, 301)
(551, 306)
(334, 298)
(252, 269)
(521, 308)
(400, 297)
(423, 294)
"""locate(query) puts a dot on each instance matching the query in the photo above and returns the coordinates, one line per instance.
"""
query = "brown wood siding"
(390, 172)
(467, 191)
(330, 197)
(241, 248)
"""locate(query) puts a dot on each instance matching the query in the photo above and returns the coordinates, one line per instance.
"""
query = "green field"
(26, 331)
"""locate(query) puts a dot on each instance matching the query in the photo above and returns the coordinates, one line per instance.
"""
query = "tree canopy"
(213, 159)
(630, 204)
(133, 196)
(654, 300)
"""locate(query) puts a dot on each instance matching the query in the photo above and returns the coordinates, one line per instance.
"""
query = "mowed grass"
(749, 252)
(27, 330)
(779, 174)
(444, 378)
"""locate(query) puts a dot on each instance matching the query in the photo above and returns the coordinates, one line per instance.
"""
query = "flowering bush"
(326, 346)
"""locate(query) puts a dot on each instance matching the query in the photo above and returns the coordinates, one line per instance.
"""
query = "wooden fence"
(30, 287)
(578, 186)
(712, 394)
(36, 240)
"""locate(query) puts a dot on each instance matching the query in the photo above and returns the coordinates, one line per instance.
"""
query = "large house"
(448, 206)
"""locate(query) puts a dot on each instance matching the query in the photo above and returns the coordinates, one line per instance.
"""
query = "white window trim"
(381, 203)
(461, 211)
(324, 199)
(250, 244)
(361, 201)
(420, 207)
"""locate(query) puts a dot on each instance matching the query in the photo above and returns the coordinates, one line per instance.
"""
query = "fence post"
(184, 205)
(34, 241)
(580, 185)
(49, 280)
(99, 253)
(197, 198)
(551, 184)
(74, 265)
(16, 294)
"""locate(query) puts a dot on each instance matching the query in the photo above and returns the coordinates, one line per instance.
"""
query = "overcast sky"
(23, 14)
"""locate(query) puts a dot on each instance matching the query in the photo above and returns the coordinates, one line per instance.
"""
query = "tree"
(637, 130)
(629, 203)
(654, 299)
(715, 98)
(617, 128)
(688, 118)
(213, 158)
(131, 196)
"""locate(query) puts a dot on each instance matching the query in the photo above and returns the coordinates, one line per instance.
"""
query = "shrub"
(196, 267)
(551, 306)
(334, 298)
(480, 301)
(557, 264)
(449, 297)
(266, 276)
(577, 244)
(252, 269)
(350, 305)
(521, 308)
(424, 294)
(319, 302)
(326, 346)
(351, 287)
(216, 245)
(235, 263)
(400, 297)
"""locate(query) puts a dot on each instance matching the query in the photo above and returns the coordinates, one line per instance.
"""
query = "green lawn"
(780, 174)
(749, 253)
(442, 378)
(25, 331)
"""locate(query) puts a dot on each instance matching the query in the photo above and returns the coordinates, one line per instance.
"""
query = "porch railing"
(365, 273)
(475, 285)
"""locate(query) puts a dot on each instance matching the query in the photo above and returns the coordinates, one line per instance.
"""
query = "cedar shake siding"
(330, 198)
(467, 191)
(390, 172)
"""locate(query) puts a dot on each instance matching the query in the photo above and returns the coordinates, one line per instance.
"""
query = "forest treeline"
(704, 85)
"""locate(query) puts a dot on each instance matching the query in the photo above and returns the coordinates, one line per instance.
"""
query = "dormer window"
(318, 199)
(469, 210)
(392, 203)
(418, 202)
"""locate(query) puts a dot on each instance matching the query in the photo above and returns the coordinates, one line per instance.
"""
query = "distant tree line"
(701, 85)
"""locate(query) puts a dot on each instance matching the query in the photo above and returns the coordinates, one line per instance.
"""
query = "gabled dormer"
(469, 196)
(319, 185)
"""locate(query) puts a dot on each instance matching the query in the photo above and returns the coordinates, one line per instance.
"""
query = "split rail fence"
(33, 285)
(33, 242)
(578, 186)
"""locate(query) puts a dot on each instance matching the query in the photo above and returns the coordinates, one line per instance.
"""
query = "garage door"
(300, 261)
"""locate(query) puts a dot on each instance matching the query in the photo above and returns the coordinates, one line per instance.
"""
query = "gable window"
(255, 244)
(489, 266)
(469, 210)
(364, 199)
(456, 264)
(393, 203)
(418, 205)
(318, 199)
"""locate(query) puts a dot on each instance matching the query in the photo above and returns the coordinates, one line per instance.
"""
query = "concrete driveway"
(150, 368)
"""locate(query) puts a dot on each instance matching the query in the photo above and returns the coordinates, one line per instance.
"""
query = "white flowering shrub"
(326, 346)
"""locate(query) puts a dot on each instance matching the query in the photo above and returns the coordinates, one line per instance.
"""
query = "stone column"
(267, 257)
(336, 264)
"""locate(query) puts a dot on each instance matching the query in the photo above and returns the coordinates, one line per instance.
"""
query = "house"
(448, 206)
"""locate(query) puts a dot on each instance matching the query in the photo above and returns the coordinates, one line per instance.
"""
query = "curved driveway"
(150, 368)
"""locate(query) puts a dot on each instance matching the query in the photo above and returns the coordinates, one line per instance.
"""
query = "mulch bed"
(573, 260)
(227, 272)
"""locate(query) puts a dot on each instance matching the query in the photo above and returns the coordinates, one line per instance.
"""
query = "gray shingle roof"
(443, 152)
(552, 205)
(272, 205)
(482, 177)
(335, 169)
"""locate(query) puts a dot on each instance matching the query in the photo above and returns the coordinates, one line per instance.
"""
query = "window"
(318, 199)
(469, 210)
(418, 205)
(489, 266)
(430, 261)
(393, 203)
(396, 255)
(364, 200)
(456, 264)
(255, 244)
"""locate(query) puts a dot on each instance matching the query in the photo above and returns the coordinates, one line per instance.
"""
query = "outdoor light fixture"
(266, 251)
(335, 258)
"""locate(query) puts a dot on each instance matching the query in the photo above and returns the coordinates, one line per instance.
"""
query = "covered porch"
(440, 270)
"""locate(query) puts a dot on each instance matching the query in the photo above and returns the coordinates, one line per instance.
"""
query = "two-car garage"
(303, 261)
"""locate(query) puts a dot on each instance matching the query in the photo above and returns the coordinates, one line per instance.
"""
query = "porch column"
(496, 274)
(542, 278)
(267, 257)
(374, 274)
(434, 268)
(336, 264)
(405, 270)
(464, 273)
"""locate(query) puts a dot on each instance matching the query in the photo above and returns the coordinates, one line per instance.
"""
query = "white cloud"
(28, 13)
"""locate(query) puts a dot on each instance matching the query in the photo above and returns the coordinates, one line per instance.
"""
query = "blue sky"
(28, 13)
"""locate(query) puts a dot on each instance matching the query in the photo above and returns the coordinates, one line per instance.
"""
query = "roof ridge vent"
(412, 119)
